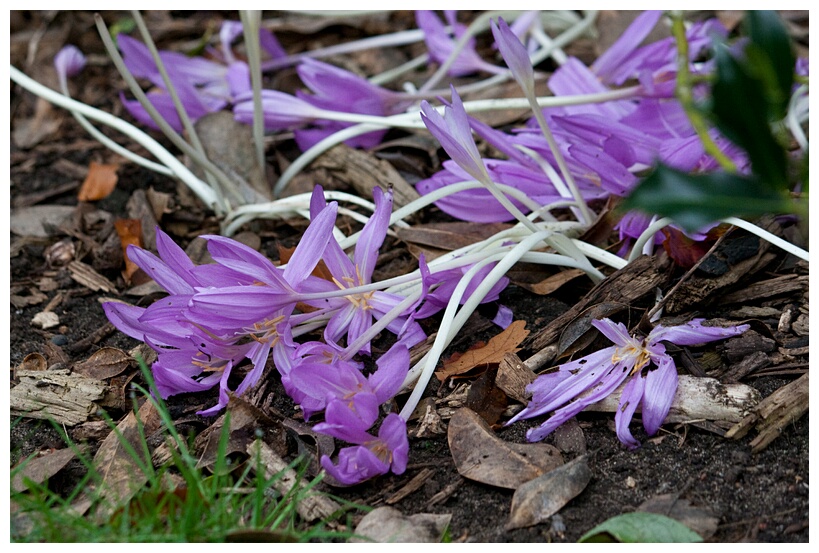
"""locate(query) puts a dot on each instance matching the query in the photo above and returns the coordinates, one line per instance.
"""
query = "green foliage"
(179, 502)
(640, 528)
(749, 95)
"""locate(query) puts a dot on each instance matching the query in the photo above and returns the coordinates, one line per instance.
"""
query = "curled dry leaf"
(130, 233)
(537, 500)
(99, 183)
(488, 355)
(482, 456)
(389, 525)
(104, 363)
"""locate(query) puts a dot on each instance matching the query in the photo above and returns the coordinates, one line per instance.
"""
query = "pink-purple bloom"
(643, 364)
(370, 456)
(441, 43)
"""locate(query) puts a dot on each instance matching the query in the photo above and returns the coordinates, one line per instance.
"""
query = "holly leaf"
(694, 201)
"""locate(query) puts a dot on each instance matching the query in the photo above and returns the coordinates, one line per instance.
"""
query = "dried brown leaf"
(121, 474)
(490, 354)
(99, 183)
(40, 468)
(550, 284)
(537, 500)
(700, 520)
(104, 363)
(480, 455)
(130, 233)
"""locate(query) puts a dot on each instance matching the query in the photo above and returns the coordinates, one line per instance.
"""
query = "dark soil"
(755, 497)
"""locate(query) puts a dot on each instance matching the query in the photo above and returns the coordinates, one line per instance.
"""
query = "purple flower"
(353, 314)
(515, 55)
(448, 280)
(332, 89)
(68, 62)
(649, 372)
(440, 44)
(372, 456)
(453, 132)
(342, 382)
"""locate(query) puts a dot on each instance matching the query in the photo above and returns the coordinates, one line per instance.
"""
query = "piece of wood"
(363, 171)
(56, 394)
(697, 399)
(629, 284)
(783, 407)
(411, 486)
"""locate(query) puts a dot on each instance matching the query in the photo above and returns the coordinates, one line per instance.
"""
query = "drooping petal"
(693, 333)
(660, 387)
(616, 332)
(632, 394)
(373, 235)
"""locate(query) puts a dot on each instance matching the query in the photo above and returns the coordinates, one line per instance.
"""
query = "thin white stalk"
(169, 87)
(646, 236)
(772, 238)
(798, 111)
(202, 190)
(413, 121)
(400, 38)
(452, 323)
(251, 20)
(110, 144)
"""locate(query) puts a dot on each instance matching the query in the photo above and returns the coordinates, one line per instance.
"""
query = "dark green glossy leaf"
(694, 201)
(641, 528)
(771, 58)
(739, 107)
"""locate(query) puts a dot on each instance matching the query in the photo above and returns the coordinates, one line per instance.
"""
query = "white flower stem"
(772, 238)
(202, 190)
(251, 20)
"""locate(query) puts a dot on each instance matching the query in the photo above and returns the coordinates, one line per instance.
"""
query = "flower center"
(633, 351)
(361, 301)
(266, 331)
(208, 363)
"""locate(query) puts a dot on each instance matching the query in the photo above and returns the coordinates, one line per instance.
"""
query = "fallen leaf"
(121, 474)
(33, 362)
(485, 398)
(389, 525)
(104, 363)
(698, 519)
(39, 220)
(449, 236)
(41, 468)
(480, 455)
(99, 183)
(550, 284)
(490, 354)
(130, 233)
(30, 132)
(640, 528)
(538, 499)
(247, 423)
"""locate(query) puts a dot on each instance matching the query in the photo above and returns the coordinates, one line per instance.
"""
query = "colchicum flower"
(649, 372)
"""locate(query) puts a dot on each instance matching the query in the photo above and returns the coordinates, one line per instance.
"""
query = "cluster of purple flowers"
(244, 308)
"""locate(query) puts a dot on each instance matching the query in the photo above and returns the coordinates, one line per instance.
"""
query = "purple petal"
(660, 387)
(631, 38)
(629, 400)
(515, 55)
(693, 333)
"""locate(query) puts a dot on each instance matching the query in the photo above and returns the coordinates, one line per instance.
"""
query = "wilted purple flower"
(353, 314)
(68, 62)
(649, 372)
(372, 456)
(441, 43)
